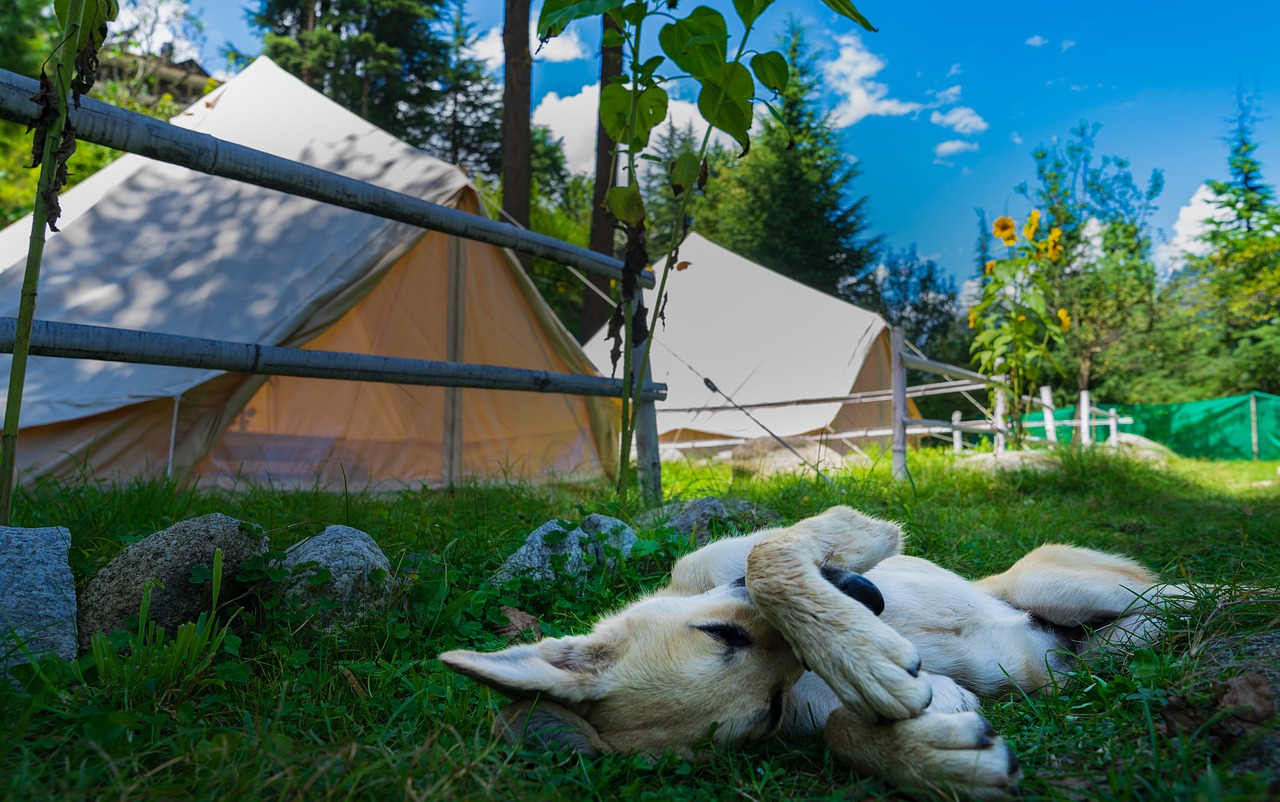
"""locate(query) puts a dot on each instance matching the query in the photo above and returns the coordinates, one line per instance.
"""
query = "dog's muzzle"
(852, 584)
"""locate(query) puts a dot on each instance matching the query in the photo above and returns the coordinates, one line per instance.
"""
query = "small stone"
(703, 517)
(557, 548)
(37, 595)
(359, 582)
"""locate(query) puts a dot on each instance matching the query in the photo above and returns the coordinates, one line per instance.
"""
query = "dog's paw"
(876, 674)
(957, 752)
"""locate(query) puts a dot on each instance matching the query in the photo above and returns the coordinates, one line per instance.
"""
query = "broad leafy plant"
(1016, 330)
(693, 47)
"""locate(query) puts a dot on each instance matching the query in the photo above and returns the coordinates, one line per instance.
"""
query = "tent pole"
(899, 405)
(454, 347)
(173, 436)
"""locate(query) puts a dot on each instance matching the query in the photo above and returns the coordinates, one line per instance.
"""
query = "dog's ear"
(547, 724)
(567, 669)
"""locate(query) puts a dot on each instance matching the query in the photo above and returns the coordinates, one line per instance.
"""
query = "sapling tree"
(695, 46)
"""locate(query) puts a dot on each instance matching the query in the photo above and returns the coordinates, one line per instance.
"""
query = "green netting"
(1221, 428)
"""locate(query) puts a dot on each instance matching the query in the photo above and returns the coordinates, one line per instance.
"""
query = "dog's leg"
(1110, 600)
(871, 668)
(956, 752)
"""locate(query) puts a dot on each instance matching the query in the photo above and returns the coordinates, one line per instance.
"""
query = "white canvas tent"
(155, 247)
(760, 337)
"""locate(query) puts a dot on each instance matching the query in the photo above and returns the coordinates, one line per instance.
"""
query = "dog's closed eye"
(734, 636)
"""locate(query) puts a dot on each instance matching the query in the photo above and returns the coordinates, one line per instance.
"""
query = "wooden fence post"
(1253, 422)
(1001, 409)
(957, 438)
(1085, 412)
(648, 459)
(1113, 423)
(899, 404)
(1050, 425)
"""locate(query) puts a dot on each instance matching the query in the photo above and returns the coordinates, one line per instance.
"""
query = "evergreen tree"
(28, 30)
(1239, 278)
(911, 293)
(787, 203)
(379, 58)
(463, 127)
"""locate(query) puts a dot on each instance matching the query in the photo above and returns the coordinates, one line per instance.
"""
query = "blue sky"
(942, 107)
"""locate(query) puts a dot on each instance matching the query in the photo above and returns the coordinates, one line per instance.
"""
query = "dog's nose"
(855, 586)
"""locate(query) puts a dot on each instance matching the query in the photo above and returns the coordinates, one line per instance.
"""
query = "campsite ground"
(276, 714)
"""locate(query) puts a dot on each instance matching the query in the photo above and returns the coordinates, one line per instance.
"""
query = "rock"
(704, 517)
(1139, 447)
(171, 557)
(765, 456)
(359, 581)
(557, 548)
(1035, 461)
(37, 595)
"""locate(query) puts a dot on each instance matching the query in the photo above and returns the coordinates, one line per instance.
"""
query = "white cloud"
(970, 293)
(850, 76)
(159, 23)
(573, 120)
(949, 95)
(1193, 220)
(1067, 44)
(1079, 87)
(567, 46)
(961, 119)
(954, 71)
(1037, 41)
(1015, 138)
(953, 146)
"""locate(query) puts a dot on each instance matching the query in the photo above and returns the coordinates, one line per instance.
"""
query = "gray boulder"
(1143, 448)
(557, 548)
(1001, 461)
(37, 595)
(169, 558)
(359, 576)
(703, 517)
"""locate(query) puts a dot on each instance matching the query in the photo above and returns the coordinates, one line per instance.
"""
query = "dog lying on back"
(825, 626)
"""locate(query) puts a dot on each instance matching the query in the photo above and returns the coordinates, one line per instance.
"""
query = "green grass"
(254, 707)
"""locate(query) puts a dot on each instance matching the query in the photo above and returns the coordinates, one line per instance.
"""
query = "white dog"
(824, 625)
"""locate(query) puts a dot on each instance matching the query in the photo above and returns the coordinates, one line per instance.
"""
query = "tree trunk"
(595, 311)
(516, 144)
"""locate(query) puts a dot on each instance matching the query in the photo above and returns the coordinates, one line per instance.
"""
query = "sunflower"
(1054, 249)
(1064, 317)
(973, 317)
(991, 266)
(1033, 225)
(1004, 229)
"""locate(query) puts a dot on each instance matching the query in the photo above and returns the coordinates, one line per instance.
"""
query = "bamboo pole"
(899, 405)
(63, 60)
(74, 341)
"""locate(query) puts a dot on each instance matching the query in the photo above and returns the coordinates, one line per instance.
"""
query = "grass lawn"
(273, 713)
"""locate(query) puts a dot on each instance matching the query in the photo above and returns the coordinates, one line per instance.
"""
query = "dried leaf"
(1250, 697)
(519, 622)
(681, 266)
(356, 687)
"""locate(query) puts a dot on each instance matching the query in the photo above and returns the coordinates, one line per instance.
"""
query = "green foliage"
(464, 126)
(378, 58)
(1016, 329)
(788, 203)
(1105, 279)
(28, 29)
(277, 713)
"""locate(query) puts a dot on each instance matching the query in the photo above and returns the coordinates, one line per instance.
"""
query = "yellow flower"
(1064, 317)
(1054, 251)
(1022, 317)
(1004, 229)
(1032, 226)
(973, 317)
(991, 266)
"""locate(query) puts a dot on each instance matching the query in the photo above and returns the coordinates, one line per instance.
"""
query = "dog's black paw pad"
(855, 586)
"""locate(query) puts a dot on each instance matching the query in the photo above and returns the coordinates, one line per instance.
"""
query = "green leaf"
(651, 110)
(698, 43)
(771, 70)
(847, 10)
(684, 171)
(645, 72)
(750, 10)
(615, 111)
(724, 102)
(612, 38)
(557, 14)
(626, 204)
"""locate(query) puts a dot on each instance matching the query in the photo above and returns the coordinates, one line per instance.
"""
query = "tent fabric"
(1218, 428)
(760, 337)
(161, 248)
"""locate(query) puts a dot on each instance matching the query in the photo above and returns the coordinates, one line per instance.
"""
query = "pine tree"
(464, 126)
(378, 58)
(787, 203)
